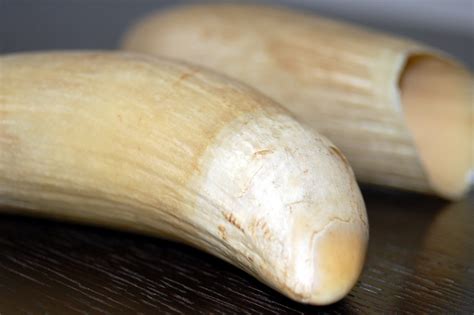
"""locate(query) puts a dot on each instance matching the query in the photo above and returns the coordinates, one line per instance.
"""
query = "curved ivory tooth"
(145, 144)
(400, 111)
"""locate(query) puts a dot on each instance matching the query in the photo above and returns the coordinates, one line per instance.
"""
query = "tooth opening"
(436, 97)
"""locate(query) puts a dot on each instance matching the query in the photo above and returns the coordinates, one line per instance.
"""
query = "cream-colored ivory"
(401, 112)
(149, 145)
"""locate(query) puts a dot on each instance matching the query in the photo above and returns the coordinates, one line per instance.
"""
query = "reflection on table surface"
(421, 259)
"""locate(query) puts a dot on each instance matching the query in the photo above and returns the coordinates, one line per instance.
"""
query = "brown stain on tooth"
(233, 220)
(185, 76)
(262, 153)
(267, 234)
(222, 232)
(336, 152)
(261, 225)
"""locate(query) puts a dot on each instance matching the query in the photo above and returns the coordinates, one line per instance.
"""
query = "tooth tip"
(340, 255)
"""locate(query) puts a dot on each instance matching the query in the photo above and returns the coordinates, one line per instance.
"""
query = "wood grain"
(421, 259)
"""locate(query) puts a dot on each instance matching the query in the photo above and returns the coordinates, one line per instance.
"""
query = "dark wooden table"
(421, 259)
